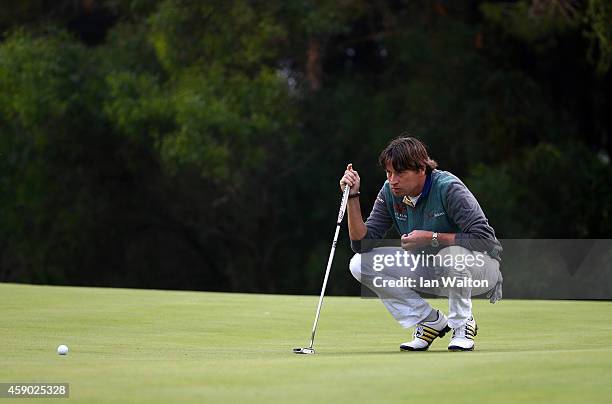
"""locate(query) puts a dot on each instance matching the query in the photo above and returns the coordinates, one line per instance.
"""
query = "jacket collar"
(423, 194)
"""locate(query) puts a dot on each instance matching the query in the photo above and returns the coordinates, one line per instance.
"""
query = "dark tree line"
(197, 145)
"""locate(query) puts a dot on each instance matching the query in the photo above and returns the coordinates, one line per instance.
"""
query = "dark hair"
(407, 153)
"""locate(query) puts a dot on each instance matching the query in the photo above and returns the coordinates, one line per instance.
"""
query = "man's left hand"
(416, 239)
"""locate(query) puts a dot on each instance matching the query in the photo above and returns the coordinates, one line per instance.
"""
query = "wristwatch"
(434, 239)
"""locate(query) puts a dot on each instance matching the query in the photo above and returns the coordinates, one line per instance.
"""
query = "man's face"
(407, 182)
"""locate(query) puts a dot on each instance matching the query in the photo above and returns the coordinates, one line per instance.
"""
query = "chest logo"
(399, 208)
(401, 217)
(436, 214)
(400, 211)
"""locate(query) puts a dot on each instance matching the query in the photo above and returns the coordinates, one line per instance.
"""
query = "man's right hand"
(351, 177)
(356, 226)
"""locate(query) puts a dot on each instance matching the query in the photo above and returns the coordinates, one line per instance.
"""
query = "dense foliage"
(197, 145)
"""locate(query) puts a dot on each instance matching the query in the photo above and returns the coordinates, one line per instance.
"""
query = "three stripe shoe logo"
(426, 333)
(470, 331)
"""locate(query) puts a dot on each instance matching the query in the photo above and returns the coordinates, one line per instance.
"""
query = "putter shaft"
(345, 196)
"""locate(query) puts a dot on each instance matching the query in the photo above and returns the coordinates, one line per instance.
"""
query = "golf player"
(437, 217)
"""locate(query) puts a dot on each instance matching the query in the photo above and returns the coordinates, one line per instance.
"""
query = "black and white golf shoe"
(425, 332)
(463, 337)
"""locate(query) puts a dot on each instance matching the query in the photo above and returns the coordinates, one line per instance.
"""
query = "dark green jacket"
(445, 206)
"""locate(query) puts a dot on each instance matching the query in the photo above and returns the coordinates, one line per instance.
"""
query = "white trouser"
(403, 302)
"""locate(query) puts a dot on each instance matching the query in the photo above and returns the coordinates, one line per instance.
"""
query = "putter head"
(304, 351)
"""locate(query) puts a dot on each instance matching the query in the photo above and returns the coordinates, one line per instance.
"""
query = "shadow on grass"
(475, 352)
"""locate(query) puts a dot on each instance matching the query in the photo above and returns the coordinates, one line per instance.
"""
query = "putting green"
(164, 346)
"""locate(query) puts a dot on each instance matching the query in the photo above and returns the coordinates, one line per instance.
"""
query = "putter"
(310, 350)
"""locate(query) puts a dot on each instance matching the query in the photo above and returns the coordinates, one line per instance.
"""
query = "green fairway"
(163, 346)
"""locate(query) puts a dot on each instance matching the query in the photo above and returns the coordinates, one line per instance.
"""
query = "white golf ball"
(62, 349)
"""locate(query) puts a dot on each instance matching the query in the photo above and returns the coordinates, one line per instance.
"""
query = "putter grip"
(345, 196)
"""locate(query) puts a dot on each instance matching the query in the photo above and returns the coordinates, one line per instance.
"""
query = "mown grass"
(165, 346)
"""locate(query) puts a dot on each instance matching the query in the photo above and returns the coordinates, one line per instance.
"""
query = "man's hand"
(351, 177)
(416, 239)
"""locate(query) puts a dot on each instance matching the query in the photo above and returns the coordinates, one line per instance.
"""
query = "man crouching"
(447, 246)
